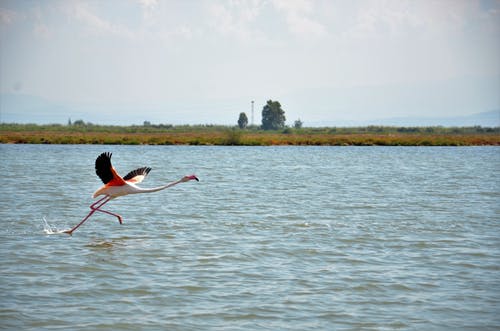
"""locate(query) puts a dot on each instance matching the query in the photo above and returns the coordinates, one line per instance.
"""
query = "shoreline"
(220, 135)
(237, 138)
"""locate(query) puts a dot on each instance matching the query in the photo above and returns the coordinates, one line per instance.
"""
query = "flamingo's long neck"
(159, 188)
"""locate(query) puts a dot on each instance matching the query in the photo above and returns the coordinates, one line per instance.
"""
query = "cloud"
(245, 20)
(383, 18)
(148, 10)
(305, 27)
(93, 23)
(8, 16)
(150, 4)
(41, 30)
(300, 18)
(148, 21)
(236, 19)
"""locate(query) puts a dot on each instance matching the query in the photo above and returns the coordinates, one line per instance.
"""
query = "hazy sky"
(195, 61)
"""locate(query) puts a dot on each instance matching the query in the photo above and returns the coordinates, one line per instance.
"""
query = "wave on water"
(49, 229)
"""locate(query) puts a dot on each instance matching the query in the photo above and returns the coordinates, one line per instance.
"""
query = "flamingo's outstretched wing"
(137, 175)
(106, 172)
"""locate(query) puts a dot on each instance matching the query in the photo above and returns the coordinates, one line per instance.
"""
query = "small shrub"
(232, 137)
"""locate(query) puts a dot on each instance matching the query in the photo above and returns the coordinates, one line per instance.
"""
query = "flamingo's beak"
(193, 177)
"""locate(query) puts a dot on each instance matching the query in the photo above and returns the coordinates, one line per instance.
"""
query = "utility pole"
(252, 112)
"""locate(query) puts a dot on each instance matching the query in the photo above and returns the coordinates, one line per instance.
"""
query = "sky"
(200, 62)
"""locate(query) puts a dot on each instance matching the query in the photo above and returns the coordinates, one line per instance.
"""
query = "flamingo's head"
(190, 177)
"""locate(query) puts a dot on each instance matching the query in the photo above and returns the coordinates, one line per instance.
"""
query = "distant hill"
(22, 108)
(485, 119)
(461, 101)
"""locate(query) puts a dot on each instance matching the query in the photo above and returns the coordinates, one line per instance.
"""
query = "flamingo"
(116, 186)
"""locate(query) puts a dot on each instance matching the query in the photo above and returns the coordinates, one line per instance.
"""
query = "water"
(271, 238)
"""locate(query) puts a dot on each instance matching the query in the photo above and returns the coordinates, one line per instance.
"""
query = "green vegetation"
(80, 132)
(298, 124)
(273, 116)
(242, 121)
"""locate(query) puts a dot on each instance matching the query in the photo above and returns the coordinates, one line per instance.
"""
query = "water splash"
(49, 229)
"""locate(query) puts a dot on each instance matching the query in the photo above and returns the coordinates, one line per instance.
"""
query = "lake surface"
(271, 238)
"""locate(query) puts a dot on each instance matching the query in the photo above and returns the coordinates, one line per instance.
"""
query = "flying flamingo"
(116, 186)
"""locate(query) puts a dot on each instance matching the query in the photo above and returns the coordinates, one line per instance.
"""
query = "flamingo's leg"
(110, 213)
(93, 210)
(93, 207)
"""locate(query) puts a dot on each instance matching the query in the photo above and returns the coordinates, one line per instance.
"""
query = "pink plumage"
(116, 186)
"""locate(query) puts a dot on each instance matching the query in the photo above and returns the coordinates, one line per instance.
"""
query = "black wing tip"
(103, 167)
(103, 159)
(106, 155)
(144, 171)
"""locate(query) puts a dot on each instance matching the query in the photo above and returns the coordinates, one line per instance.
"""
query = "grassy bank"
(223, 135)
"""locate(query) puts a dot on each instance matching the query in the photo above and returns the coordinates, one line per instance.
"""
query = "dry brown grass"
(237, 137)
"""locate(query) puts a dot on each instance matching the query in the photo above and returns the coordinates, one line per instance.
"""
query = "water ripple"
(276, 238)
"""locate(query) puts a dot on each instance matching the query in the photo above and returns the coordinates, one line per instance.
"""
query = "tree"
(273, 117)
(243, 121)
(298, 124)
